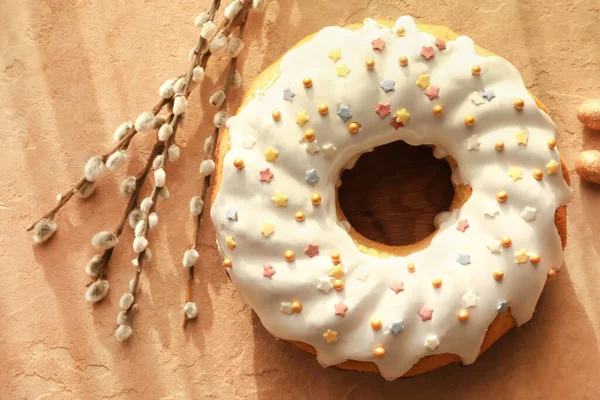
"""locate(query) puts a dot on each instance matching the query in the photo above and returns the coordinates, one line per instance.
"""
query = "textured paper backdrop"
(72, 70)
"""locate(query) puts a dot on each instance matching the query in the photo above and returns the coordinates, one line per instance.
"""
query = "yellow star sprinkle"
(522, 257)
(515, 173)
(279, 199)
(271, 154)
(267, 229)
(301, 117)
(552, 167)
(423, 81)
(335, 54)
(402, 116)
(230, 241)
(522, 138)
(330, 336)
(336, 271)
(343, 70)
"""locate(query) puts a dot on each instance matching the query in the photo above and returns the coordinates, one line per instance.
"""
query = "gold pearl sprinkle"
(469, 120)
(519, 104)
(353, 127)
(299, 216)
(475, 70)
(501, 196)
(323, 109)
(307, 82)
(238, 163)
(506, 242)
(400, 31)
(379, 352)
(411, 267)
(227, 263)
(551, 144)
(534, 258)
(309, 135)
(438, 110)
(436, 283)
(498, 274)
(289, 255)
(552, 273)
(499, 145)
(296, 306)
(338, 284)
(315, 198)
(276, 115)
(335, 256)
(403, 61)
(376, 324)
(463, 315)
(370, 64)
(538, 174)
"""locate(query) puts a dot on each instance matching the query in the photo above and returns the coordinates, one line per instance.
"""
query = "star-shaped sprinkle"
(521, 257)
(396, 327)
(493, 246)
(286, 308)
(528, 213)
(340, 309)
(502, 306)
(312, 250)
(488, 94)
(344, 111)
(427, 52)
(552, 167)
(271, 154)
(266, 175)
(337, 271)
(397, 125)
(473, 143)
(378, 44)
(440, 44)
(343, 70)
(423, 81)
(288, 94)
(462, 225)
(267, 229)
(335, 54)
(230, 242)
(397, 286)
(329, 150)
(463, 259)
(280, 199)
(515, 173)
(431, 342)
(470, 299)
(425, 313)
(268, 271)
(433, 92)
(248, 142)
(402, 116)
(522, 138)
(311, 176)
(388, 85)
(362, 274)
(383, 109)
(232, 214)
(491, 209)
(325, 285)
(312, 148)
(330, 336)
(476, 98)
(302, 118)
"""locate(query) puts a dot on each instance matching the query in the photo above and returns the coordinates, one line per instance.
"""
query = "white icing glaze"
(367, 278)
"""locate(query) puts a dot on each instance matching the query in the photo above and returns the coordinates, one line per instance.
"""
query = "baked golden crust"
(503, 322)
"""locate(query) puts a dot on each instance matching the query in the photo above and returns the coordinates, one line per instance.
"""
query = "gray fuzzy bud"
(86, 190)
(122, 318)
(97, 291)
(93, 168)
(148, 255)
(201, 19)
(123, 333)
(218, 45)
(207, 167)
(217, 98)
(160, 177)
(104, 240)
(128, 186)
(157, 161)
(94, 266)
(196, 205)
(126, 301)
(134, 217)
(166, 90)
(179, 105)
(165, 132)
(140, 229)
(140, 244)
(236, 82)
(190, 309)
(179, 86)
(197, 74)
(235, 47)
(146, 205)
(233, 9)
(152, 220)
(208, 143)
(116, 160)
(173, 153)
(43, 230)
(208, 30)
(189, 258)
(122, 130)
(144, 122)
(220, 119)
(164, 193)
(159, 121)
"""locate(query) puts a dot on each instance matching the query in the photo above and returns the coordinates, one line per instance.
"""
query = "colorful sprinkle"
(425, 313)
(271, 155)
(432, 92)
(436, 283)
(423, 81)
(280, 199)
(311, 176)
(336, 271)
(400, 31)
(477, 99)
(473, 143)
(289, 255)
(362, 274)
(502, 306)
(265, 175)
(338, 284)
(397, 125)
(248, 142)
(396, 327)
(493, 246)
(515, 173)
(340, 309)
(323, 109)
(312, 250)
(238, 163)
(344, 111)
(296, 306)
(551, 143)
(232, 214)
(276, 115)
(470, 299)
(268, 271)
(519, 104)
(353, 127)
(469, 120)
(498, 274)
(427, 52)
(491, 209)
(502, 196)
(315, 199)
(463, 259)
(403, 61)
(325, 285)
(388, 85)
(286, 308)
(440, 44)
(463, 315)
(499, 145)
(335, 54)
(227, 263)
(302, 118)
(330, 336)
(528, 213)
(475, 70)
(307, 82)
(329, 150)
(383, 109)
(378, 44)
(522, 257)
(267, 229)
(488, 94)
(397, 286)
(312, 148)
(462, 225)
(370, 64)
(230, 242)
(432, 342)
(552, 167)
(343, 70)
(522, 138)
(299, 216)
(288, 94)
(402, 116)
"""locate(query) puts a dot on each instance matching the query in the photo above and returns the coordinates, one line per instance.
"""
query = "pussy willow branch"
(208, 179)
(123, 144)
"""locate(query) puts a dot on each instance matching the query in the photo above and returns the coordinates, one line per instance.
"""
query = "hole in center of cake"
(393, 193)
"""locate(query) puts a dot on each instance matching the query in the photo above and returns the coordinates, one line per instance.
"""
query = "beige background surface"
(72, 70)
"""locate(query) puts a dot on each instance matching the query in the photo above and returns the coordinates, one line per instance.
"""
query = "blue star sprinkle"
(388, 85)
(502, 306)
(288, 94)
(396, 327)
(311, 176)
(232, 214)
(463, 259)
(488, 94)
(344, 112)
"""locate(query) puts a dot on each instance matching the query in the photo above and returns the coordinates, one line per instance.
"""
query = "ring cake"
(312, 279)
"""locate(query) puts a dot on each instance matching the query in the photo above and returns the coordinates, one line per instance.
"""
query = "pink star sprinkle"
(311, 250)
(396, 124)
(440, 44)
(427, 52)
(432, 92)
(378, 44)
(269, 271)
(425, 313)
(266, 175)
(397, 286)
(383, 109)
(340, 309)
(462, 225)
